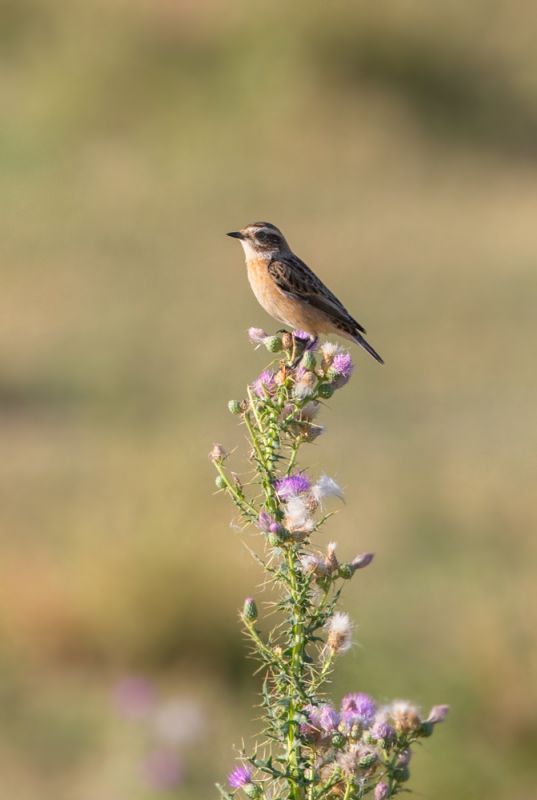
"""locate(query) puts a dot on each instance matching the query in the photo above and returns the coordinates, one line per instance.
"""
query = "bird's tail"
(359, 339)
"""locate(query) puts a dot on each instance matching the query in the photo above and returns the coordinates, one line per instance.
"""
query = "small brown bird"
(289, 291)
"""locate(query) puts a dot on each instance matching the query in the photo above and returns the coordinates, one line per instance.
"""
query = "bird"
(290, 291)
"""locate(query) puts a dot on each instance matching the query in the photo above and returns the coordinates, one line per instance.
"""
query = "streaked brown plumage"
(289, 291)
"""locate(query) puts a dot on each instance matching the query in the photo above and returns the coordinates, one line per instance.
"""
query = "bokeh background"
(396, 145)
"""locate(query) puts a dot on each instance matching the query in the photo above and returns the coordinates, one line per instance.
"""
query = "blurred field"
(396, 144)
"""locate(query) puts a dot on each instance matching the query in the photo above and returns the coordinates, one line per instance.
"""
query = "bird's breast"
(262, 285)
(289, 310)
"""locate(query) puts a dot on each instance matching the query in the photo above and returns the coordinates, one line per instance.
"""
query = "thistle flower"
(329, 350)
(241, 776)
(326, 487)
(328, 718)
(339, 633)
(312, 564)
(249, 610)
(257, 336)
(331, 559)
(405, 716)
(361, 561)
(382, 730)
(382, 791)
(297, 515)
(340, 369)
(437, 714)
(355, 758)
(305, 382)
(264, 384)
(311, 728)
(268, 524)
(292, 485)
(361, 706)
(217, 454)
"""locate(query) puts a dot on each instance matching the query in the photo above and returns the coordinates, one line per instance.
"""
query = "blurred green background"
(396, 145)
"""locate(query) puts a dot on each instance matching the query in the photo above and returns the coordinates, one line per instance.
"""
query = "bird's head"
(261, 240)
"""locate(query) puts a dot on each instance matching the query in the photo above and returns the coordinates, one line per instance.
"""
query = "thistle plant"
(307, 749)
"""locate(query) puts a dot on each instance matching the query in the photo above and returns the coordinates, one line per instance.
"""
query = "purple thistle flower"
(302, 336)
(340, 369)
(382, 730)
(257, 335)
(361, 561)
(239, 777)
(312, 728)
(268, 524)
(328, 718)
(292, 485)
(437, 714)
(361, 705)
(264, 384)
(348, 720)
(382, 791)
(403, 759)
(342, 365)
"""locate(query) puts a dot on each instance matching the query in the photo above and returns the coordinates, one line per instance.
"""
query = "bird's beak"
(236, 235)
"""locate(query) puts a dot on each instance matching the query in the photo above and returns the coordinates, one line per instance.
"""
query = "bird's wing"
(297, 280)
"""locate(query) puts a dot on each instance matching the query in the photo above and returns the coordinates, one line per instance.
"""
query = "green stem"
(294, 753)
(323, 674)
(238, 498)
(264, 469)
(292, 459)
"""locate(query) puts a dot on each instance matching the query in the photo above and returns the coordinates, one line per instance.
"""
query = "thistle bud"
(252, 790)
(234, 407)
(249, 610)
(325, 390)
(426, 729)
(401, 774)
(338, 739)
(217, 454)
(309, 361)
(273, 344)
(275, 539)
(367, 760)
(220, 482)
(345, 571)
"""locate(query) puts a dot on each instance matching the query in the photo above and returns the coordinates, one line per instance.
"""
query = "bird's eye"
(262, 236)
